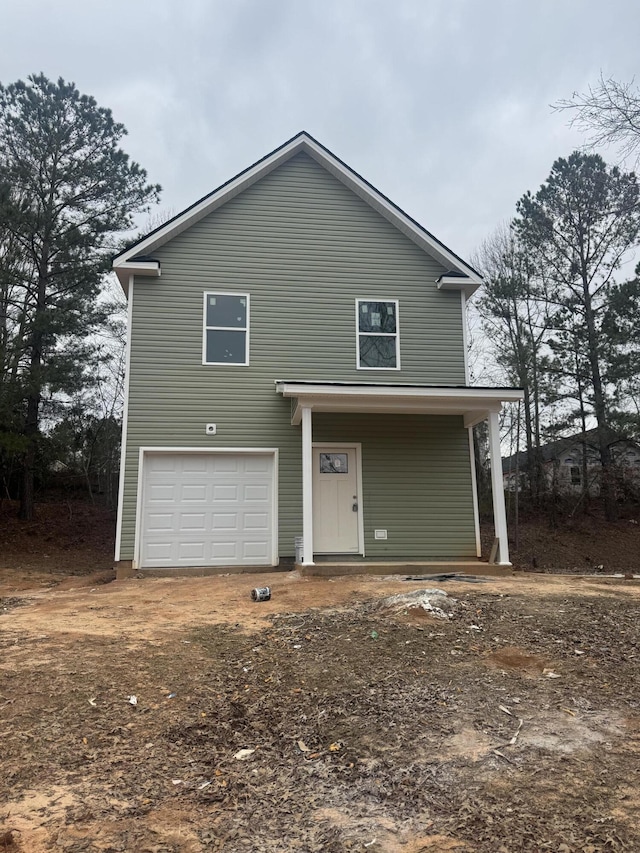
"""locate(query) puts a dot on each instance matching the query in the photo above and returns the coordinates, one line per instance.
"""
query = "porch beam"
(398, 407)
(497, 488)
(307, 487)
(476, 417)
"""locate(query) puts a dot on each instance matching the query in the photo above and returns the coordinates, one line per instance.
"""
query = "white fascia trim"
(468, 286)
(469, 414)
(305, 143)
(125, 419)
(474, 404)
(498, 395)
(465, 336)
(126, 271)
(272, 451)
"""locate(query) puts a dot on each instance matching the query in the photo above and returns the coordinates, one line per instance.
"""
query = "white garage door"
(207, 509)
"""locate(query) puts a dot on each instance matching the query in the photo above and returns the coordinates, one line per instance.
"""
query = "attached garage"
(208, 508)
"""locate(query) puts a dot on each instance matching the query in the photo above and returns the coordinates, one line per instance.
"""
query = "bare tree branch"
(608, 114)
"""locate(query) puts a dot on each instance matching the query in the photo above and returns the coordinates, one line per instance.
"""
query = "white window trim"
(205, 328)
(395, 334)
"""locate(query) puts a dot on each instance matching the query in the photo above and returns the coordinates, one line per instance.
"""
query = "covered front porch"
(415, 445)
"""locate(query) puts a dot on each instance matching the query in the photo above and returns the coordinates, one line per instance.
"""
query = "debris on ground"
(434, 601)
(463, 577)
(443, 734)
(243, 754)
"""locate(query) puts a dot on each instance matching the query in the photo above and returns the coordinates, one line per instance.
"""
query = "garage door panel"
(256, 492)
(160, 552)
(161, 522)
(161, 492)
(192, 521)
(225, 464)
(207, 509)
(166, 464)
(257, 465)
(255, 552)
(256, 521)
(224, 521)
(195, 464)
(194, 493)
(192, 551)
(226, 492)
(224, 551)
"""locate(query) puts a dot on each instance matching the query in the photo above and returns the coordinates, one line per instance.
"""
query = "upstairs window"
(226, 328)
(576, 476)
(377, 334)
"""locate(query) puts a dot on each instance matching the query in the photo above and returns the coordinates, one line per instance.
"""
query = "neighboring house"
(563, 468)
(297, 368)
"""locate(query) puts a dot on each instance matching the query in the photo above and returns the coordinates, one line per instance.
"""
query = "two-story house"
(297, 368)
(566, 461)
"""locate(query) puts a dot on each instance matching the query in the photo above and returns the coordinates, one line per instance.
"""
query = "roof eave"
(473, 404)
(467, 285)
(125, 270)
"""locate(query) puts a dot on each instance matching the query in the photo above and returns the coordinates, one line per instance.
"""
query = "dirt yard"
(319, 720)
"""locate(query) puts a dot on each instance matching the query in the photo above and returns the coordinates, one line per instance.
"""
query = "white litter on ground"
(434, 601)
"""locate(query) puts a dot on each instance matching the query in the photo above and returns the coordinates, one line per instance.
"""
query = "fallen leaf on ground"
(243, 754)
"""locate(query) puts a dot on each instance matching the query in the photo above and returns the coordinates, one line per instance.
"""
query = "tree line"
(67, 193)
(561, 323)
(558, 319)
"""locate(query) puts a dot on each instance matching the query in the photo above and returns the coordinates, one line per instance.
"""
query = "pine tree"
(67, 192)
(576, 229)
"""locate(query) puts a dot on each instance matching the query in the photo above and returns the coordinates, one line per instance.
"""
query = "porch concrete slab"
(462, 567)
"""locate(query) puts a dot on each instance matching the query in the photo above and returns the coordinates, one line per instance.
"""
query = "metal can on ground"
(261, 593)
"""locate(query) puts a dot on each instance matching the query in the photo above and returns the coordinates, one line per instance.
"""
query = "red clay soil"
(584, 544)
(321, 720)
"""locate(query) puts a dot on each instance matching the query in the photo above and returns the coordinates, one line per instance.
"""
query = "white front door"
(336, 502)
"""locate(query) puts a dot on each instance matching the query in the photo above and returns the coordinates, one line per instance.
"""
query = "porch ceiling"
(473, 404)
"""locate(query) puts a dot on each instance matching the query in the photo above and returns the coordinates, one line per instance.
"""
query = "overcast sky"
(444, 105)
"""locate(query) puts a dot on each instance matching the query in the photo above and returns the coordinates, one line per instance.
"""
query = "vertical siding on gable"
(305, 248)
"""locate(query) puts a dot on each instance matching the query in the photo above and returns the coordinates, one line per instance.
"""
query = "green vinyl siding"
(305, 248)
(416, 482)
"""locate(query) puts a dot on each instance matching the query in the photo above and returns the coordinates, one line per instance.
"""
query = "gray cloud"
(442, 104)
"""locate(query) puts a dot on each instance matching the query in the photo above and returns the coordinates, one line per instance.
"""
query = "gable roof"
(137, 259)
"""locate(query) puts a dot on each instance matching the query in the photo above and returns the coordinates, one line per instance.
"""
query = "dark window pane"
(227, 311)
(225, 346)
(334, 463)
(377, 317)
(377, 351)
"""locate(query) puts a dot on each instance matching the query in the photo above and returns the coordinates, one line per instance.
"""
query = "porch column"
(497, 487)
(307, 488)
